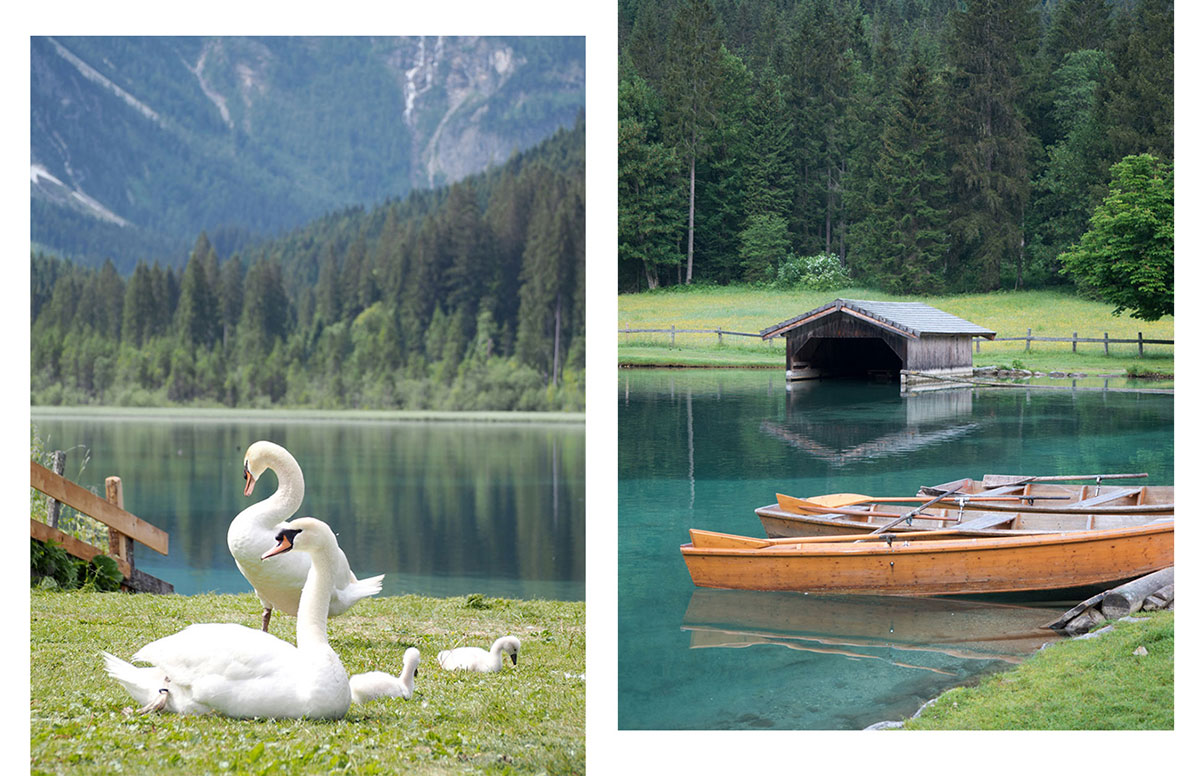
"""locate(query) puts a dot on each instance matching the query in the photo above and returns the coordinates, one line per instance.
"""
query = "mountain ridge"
(137, 144)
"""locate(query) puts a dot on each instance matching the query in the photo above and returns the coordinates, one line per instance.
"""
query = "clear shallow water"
(703, 448)
(442, 508)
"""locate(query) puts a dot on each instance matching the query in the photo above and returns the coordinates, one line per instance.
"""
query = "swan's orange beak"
(284, 539)
(249, 479)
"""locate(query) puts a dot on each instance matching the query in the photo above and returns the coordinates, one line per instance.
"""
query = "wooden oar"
(711, 540)
(839, 500)
(1056, 477)
(912, 512)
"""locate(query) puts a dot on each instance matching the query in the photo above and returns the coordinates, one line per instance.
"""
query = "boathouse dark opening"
(853, 338)
(866, 357)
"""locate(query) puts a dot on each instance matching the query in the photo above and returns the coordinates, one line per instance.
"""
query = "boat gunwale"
(906, 546)
(982, 506)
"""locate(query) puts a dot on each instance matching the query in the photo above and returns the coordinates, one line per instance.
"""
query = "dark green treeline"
(469, 297)
(930, 145)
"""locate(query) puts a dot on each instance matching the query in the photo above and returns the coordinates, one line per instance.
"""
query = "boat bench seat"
(980, 523)
(1106, 497)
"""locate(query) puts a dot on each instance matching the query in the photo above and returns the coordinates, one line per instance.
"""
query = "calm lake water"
(441, 508)
(704, 448)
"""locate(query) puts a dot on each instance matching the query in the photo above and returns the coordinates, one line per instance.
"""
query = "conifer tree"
(900, 244)
(721, 174)
(651, 197)
(196, 317)
(690, 79)
(1137, 103)
(989, 41)
(137, 312)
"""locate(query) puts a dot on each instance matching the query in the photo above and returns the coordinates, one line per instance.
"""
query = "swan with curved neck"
(278, 583)
(476, 659)
(242, 672)
(380, 684)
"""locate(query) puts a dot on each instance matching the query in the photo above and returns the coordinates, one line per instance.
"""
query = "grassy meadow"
(1077, 684)
(527, 719)
(1008, 313)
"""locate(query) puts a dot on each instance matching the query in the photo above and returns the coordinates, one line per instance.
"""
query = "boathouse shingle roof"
(914, 318)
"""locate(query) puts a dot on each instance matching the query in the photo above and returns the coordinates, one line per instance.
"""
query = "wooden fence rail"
(1074, 339)
(673, 331)
(123, 528)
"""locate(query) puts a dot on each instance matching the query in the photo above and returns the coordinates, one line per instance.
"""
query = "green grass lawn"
(1079, 684)
(528, 719)
(1009, 314)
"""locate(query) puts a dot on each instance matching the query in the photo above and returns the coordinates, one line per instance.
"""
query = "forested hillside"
(929, 145)
(469, 296)
(139, 143)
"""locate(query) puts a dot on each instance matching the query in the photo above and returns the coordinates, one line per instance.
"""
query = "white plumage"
(241, 672)
(380, 684)
(476, 659)
(278, 582)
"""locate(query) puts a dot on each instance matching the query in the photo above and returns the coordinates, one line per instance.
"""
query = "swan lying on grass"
(243, 672)
(278, 583)
(476, 659)
(380, 684)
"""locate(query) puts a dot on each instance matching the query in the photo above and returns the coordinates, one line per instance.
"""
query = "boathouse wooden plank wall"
(864, 338)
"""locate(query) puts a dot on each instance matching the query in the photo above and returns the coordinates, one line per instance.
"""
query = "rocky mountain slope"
(137, 144)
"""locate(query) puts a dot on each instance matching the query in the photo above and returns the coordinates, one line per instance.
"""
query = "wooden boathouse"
(858, 338)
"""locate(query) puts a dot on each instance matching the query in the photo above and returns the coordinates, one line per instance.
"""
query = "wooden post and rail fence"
(124, 528)
(1074, 339)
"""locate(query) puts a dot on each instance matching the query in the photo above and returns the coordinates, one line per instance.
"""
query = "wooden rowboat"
(805, 517)
(1044, 494)
(936, 563)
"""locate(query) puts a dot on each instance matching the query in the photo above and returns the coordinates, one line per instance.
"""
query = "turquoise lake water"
(441, 508)
(704, 448)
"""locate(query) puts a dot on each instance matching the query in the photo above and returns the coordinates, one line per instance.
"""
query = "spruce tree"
(651, 197)
(989, 42)
(196, 316)
(1137, 103)
(690, 78)
(137, 313)
(900, 243)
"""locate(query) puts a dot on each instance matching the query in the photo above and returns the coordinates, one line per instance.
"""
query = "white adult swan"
(252, 533)
(476, 659)
(380, 684)
(243, 672)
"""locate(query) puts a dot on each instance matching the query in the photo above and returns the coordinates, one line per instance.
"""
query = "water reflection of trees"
(675, 427)
(481, 501)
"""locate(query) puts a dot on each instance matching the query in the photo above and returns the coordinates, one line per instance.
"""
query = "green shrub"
(823, 272)
(52, 567)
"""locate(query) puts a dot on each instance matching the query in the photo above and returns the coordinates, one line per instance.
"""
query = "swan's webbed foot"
(266, 618)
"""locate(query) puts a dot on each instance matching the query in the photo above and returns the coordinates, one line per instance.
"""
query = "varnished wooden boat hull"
(780, 522)
(956, 566)
(1049, 496)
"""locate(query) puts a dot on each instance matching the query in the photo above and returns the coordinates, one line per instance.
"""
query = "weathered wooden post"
(119, 545)
(1074, 340)
(1139, 344)
(978, 341)
(718, 336)
(1106, 343)
(1028, 338)
(58, 464)
(672, 335)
